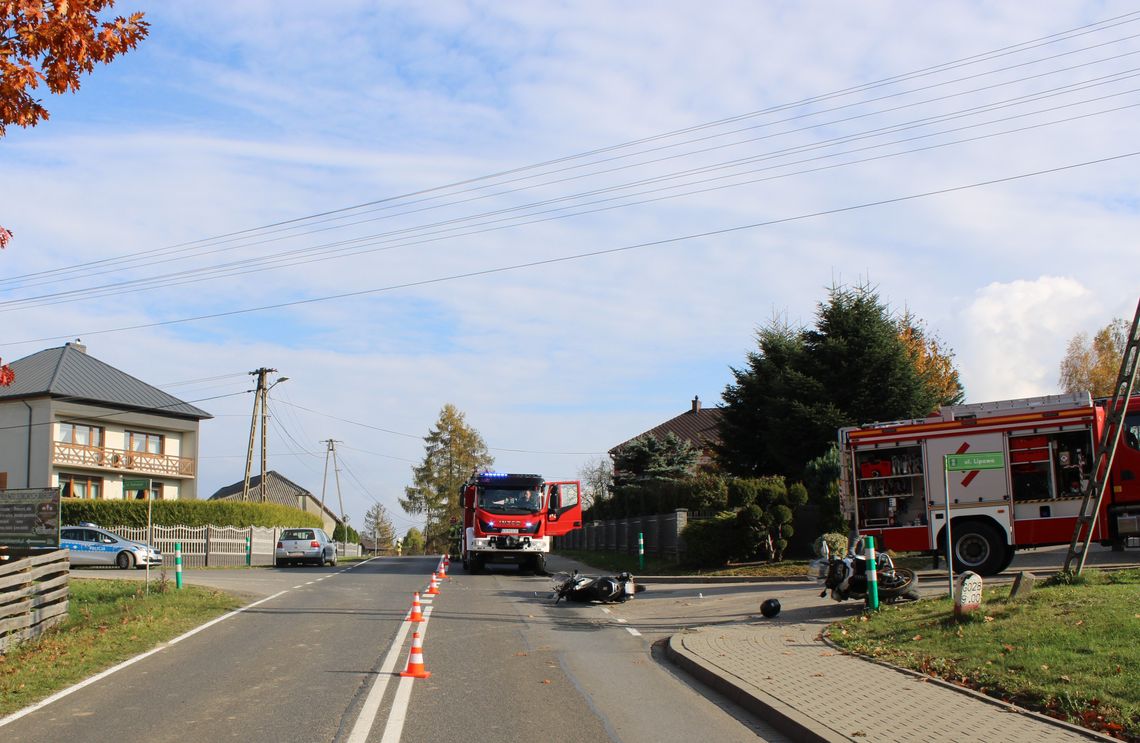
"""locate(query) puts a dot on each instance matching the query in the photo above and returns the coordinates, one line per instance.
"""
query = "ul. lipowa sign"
(29, 517)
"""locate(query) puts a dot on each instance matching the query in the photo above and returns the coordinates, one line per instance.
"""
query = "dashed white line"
(633, 632)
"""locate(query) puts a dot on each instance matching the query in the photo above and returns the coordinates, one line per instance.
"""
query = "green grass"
(108, 622)
(1070, 650)
(616, 562)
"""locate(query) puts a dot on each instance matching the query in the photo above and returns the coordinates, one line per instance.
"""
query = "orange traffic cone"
(433, 587)
(417, 613)
(415, 667)
(442, 570)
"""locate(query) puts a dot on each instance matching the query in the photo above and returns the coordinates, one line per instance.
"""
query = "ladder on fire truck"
(1105, 451)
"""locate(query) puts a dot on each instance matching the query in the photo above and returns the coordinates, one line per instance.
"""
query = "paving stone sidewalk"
(785, 674)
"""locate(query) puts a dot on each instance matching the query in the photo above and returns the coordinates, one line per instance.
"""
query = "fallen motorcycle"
(846, 577)
(585, 589)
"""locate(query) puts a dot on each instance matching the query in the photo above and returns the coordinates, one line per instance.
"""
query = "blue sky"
(234, 116)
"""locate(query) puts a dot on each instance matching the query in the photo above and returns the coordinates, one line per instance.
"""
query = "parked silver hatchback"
(301, 546)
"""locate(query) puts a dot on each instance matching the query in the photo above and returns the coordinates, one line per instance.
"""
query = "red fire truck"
(511, 518)
(893, 479)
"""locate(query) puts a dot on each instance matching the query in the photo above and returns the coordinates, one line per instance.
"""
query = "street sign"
(29, 517)
(135, 484)
(985, 460)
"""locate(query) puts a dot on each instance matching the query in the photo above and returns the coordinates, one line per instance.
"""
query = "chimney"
(696, 404)
(78, 346)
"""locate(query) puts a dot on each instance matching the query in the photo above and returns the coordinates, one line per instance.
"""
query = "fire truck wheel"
(978, 547)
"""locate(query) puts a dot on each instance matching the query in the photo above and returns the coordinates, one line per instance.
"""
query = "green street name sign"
(136, 484)
(985, 460)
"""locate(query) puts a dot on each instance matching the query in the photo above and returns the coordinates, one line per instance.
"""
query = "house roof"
(68, 372)
(279, 489)
(697, 425)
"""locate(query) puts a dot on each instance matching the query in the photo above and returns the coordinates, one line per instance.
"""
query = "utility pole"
(260, 397)
(330, 451)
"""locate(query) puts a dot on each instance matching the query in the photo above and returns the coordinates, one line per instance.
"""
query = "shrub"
(184, 513)
(836, 543)
(706, 545)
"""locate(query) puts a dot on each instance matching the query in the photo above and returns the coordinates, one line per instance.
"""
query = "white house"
(71, 420)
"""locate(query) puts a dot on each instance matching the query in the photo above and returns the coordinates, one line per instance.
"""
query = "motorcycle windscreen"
(565, 500)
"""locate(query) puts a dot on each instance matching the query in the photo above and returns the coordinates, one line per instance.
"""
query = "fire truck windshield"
(510, 500)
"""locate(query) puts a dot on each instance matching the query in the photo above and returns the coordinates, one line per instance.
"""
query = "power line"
(360, 246)
(583, 255)
(1067, 35)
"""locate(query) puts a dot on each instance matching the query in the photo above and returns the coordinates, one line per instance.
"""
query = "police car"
(90, 545)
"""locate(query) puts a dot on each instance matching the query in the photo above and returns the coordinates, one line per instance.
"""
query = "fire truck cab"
(512, 518)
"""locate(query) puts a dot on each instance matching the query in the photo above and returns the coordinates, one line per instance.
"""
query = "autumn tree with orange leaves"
(54, 42)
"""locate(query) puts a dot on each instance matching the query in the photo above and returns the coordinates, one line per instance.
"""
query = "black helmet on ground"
(770, 608)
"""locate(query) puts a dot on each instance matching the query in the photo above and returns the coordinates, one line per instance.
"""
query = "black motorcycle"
(585, 589)
(846, 578)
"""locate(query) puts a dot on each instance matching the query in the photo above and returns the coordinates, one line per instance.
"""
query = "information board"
(29, 517)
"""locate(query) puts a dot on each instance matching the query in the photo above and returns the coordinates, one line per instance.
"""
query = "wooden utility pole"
(330, 451)
(260, 397)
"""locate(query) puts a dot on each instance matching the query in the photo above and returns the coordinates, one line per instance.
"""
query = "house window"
(155, 492)
(80, 434)
(81, 486)
(150, 443)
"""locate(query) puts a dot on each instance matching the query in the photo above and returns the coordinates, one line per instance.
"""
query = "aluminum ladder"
(1105, 451)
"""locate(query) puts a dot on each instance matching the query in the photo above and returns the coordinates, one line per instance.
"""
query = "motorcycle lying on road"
(585, 589)
(846, 577)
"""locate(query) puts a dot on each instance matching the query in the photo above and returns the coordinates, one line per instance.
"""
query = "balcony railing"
(121, 459)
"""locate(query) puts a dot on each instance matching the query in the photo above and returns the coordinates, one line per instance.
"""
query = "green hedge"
(184, 513)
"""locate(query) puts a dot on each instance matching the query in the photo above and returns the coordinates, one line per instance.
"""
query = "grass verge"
(1069, 650)
(108, 622)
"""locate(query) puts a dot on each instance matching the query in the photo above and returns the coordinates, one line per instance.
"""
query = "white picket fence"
(216, 546)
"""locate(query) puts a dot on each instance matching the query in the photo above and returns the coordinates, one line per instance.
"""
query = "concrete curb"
(785, 718)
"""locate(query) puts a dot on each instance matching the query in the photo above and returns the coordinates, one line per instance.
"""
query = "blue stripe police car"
(90, 545)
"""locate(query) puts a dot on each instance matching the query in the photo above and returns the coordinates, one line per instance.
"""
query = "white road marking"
(104, 674)
(607, 611)
(622, 621)
(394, 728)
(633, 632)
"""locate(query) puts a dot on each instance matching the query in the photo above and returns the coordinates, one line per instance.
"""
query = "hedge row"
(184, 513)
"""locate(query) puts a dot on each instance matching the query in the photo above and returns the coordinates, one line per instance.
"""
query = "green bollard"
(641, 551)
(872, 577)
(178, 565)
(248, 553)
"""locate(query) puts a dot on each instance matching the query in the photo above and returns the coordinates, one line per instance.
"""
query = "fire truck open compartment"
(1044, 467)
(890, 487)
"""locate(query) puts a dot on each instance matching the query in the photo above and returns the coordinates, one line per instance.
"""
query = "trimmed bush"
(184, 513)
(709, 543)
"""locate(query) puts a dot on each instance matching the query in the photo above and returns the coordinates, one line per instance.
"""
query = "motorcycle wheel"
(899, 584)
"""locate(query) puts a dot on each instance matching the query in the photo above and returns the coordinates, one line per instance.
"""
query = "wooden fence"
(34, 594)
(216, 546)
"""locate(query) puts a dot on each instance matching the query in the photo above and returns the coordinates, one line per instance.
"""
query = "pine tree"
(785, 407)
(452, 451)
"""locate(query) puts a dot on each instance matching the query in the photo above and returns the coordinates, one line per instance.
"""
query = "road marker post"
(641, 551)
(872, 576)
(178, 565)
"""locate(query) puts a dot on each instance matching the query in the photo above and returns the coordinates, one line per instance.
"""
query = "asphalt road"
(302, 662)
